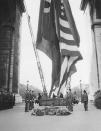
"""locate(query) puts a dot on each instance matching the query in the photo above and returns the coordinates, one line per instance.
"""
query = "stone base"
(18, 98)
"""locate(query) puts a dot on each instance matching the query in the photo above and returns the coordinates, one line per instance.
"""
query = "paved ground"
(17, 120)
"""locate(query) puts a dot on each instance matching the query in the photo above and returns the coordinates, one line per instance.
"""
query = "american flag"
(58, 38)
(67, 42)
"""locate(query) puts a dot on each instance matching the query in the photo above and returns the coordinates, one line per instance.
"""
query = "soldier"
(39, 98)
(75, 99)
(10, 100)
(27, 101)
(2, 96)
(69, 100)
(54, 96)
(30, 100)
(13, 99)
(33, 99)
(61, 95)
(85, 100)
(1, 100)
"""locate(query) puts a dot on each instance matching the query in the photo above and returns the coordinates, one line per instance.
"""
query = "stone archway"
(10, 18)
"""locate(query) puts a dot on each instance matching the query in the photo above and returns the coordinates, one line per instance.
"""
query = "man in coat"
(69, 100)
(85, 100)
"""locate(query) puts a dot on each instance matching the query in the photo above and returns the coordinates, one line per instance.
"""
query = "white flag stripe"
(46, 10)
(68, 47)
(64, 23)
(48, 1)
(66, 36)
(70, 61)
(63, 68)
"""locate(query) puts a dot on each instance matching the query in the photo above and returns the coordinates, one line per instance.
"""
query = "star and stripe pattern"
(68, 47)
(58, 38)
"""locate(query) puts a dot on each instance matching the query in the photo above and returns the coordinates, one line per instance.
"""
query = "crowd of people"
(30, 99)
(7, 100)
(71, 99)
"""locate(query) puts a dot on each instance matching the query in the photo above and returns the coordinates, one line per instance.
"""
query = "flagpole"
(35, 51)
(65, 85)
(59, 90)
(68, 83)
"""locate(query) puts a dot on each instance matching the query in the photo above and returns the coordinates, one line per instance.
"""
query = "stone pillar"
(95, 78)
(16, 41)
(10, 18)
(5, 57)
(95, 15)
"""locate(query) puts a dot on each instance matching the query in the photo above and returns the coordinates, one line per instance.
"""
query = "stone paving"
(17, 120)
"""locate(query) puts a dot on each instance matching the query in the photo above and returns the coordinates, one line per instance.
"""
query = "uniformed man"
(27, 99)
(85, 100)
(30, 100)
(1, 100)
(69, 99)
(33, 99)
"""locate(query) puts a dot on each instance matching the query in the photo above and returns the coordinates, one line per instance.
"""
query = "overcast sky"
(28, 65)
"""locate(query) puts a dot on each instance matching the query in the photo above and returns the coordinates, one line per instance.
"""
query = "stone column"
(96, 55)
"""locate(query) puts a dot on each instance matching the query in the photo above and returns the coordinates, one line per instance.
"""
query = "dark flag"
(47, 40)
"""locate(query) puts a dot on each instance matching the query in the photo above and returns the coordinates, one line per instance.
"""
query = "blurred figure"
(75, 98)
(39, 98)
(27, 98)
(54, 96)
(33, 99)
(1, 100)
(69, 100)
(85, 100)
(13, 99)
(61, 95)
(10, 100)
(30, 100)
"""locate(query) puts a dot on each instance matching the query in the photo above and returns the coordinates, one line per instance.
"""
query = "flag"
(47, 40)
(58, 38)
(66, 77)
(68, 39)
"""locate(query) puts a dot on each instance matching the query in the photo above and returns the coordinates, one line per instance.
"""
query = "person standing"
(69, 101)
(39, 98)
(85, 100)
(27, 99)
(54, 96)
(75, 98)
(61, 95)
(30, 100)
(33, 99)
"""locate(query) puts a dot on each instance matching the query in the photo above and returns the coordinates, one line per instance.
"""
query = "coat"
(84, 97)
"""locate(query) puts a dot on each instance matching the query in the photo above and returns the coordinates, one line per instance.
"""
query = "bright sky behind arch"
(28, 65)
